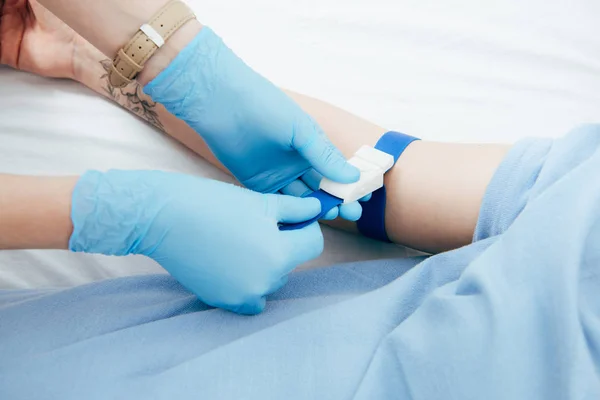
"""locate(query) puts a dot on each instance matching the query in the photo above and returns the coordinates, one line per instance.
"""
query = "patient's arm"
(434, 191)
(91, 69)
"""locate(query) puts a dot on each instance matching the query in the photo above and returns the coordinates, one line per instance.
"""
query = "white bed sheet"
(460, 70)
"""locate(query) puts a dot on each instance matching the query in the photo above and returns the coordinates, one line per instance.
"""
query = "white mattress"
(460, 70)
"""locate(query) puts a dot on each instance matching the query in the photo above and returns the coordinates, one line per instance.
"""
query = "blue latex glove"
(260, 134)
(310, 183)
(220, 241)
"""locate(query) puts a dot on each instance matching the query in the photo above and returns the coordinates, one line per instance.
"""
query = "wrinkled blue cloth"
(515, 315)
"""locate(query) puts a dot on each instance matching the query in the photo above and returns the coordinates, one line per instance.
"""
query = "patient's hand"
(32, 39)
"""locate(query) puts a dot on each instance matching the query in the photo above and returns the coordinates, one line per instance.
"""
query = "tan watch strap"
(130, 60)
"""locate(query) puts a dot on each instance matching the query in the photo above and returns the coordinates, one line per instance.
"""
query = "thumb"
(312, 144)
(302, 245)
(291, 210)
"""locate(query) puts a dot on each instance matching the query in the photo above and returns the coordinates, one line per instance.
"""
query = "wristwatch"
(130, 60)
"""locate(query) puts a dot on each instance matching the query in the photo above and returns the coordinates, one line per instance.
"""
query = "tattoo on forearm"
(132, 97)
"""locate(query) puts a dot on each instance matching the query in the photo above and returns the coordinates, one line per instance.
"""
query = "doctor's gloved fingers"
(351, 211)
(312, 179)
(296, 189)
(310, 141)
(331, 214)
(302, 245)
(250, 307)
(291, 210)
(300, 188)
(278, 285)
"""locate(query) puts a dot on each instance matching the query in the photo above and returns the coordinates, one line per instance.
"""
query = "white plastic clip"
(373, 164)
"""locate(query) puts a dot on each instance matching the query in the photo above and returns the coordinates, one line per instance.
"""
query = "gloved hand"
(220, 241)
(310, 183)
(260, 134)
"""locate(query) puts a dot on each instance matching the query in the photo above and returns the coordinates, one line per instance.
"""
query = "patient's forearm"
(91, 69)
(434, 192)
(35, 212)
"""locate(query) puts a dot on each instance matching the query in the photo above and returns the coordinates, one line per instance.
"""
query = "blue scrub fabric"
(514, 315)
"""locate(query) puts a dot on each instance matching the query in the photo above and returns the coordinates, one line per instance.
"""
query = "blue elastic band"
(372, 221)
(327, 203)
